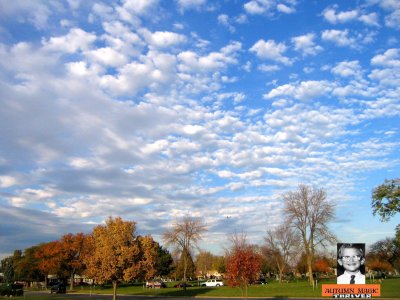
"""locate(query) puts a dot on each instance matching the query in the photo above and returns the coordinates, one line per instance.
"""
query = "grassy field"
(390, 288)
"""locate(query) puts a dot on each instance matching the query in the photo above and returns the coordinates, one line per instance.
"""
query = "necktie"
(352, 281)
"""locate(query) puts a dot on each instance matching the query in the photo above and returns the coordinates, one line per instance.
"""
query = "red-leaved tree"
(243, 264)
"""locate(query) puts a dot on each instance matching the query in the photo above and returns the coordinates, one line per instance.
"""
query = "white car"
(213, 282)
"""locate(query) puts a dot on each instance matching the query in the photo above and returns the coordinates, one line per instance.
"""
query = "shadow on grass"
(189, 292)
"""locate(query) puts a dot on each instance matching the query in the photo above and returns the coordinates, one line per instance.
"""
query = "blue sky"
(152, 110)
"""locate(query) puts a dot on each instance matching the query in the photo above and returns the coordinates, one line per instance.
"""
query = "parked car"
(155, 284)
(182, 285)
(58, 288)
(213, 283)
(11, 290)
(260, 281)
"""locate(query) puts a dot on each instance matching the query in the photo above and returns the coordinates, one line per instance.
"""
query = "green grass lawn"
(390, 288)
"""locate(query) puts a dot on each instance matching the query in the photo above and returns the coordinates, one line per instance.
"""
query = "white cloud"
(285, 9)
(256, 7)
(386, 77)
(389, 64)
(193, 129)
(268, 68)
(371, 19)
(105, 12)
(339, 37)
(76, 39)
(271, 50)
(391, 58)
(334, 17)
(154, 70)
(191, 62)
(306, 45)
(348, 69)
(237, 97)
(74, 4)
(81, 163)
(224, 20)
(163, 39)
(190, 4)
(131, 11)
(140, 7)
(306, 90)
(107, 56)
(342, 17)
(393, 20)
(36, 13)
(7, 181)
(259, 7)
(241, 19)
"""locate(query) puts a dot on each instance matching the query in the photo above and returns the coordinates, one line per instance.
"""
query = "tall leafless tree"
(309, 212)
(282, 244)
(184, 236)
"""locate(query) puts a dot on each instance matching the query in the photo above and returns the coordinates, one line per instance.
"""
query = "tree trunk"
(184, 271)
(310, 272)
(71, 285)
(114, 283)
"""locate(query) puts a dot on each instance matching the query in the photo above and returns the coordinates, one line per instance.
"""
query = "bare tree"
(281, 245)
(184, 235)
(308, 211)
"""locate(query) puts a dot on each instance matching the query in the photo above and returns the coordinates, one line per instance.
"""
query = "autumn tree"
(71, 247)
(49, 258)
(321, 265)
(281, 246)
(309, 212)
(28, 266)
(379, 266)
(113, 253)
(149, 254)
(386, 199)
(184, 236)
(243, 263)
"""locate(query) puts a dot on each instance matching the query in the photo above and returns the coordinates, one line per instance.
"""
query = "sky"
(153, 110)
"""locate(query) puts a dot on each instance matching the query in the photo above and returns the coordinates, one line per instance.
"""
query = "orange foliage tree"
(321, 265)
(149, 256)
(376, 264)
(49, 258)
(243, 264)
(113, 253)
(71, 252)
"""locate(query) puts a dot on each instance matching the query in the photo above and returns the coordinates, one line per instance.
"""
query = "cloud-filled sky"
(152, 110)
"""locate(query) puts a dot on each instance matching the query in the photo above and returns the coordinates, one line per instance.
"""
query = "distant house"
(209, 274)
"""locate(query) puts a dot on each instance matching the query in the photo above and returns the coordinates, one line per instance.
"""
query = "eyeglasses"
(354, 257)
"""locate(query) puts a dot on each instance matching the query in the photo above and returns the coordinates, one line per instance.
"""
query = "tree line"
(114, 253)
